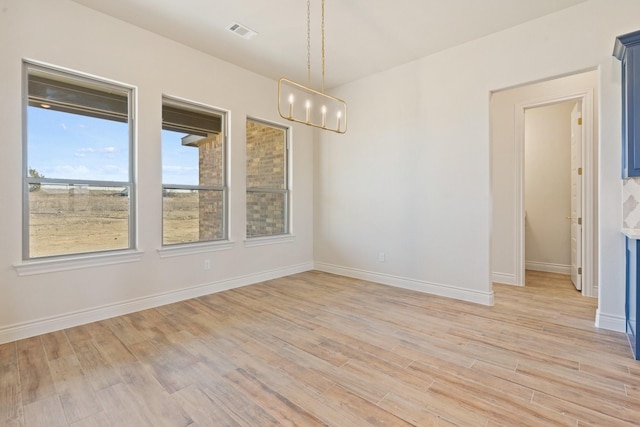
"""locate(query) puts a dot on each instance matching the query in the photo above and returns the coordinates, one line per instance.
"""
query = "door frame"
(575, 195)
(589, 195)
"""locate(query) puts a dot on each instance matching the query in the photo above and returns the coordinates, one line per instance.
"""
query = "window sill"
(269, 240)
(194, 248)
(28, 268)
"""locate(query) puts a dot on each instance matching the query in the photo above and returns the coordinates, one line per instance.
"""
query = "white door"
(576, 196)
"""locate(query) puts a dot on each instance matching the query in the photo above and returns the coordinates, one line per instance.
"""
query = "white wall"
(547, 187)
(405, 181)
(412, 175)
(65, 34)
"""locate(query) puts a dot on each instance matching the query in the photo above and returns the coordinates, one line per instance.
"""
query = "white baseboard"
(547, 267)
(68, 320)
(610, 321)
(485, 298)
(504, 278)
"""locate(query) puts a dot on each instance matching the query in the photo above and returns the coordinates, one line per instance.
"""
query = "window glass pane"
(193, 174)
(266, 214)
(67, 219)
(266, 156)
(192, 159)
(73, 146)
(78, 165)
(192, 215)
(267, 190)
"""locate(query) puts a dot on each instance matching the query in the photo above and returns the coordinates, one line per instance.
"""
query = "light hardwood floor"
(319, 349)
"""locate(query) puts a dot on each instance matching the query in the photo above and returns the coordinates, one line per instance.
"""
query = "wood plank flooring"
(315, 349)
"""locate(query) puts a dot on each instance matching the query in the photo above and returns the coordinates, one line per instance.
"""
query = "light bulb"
(290, 105)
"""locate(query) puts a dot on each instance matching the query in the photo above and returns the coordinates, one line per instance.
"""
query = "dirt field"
(76, 220)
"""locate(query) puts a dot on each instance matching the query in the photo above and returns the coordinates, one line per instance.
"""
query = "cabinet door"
(627, 50)
(631, 106)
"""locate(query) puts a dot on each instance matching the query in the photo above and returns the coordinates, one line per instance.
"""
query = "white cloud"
(82, 152)
(109, 152)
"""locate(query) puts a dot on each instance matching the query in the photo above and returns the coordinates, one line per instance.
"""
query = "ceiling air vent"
(242, 31)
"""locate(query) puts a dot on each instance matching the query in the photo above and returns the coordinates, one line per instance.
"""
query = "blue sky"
(180, 163)
(71, 146)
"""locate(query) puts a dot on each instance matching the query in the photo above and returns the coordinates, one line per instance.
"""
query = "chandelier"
(303, 104)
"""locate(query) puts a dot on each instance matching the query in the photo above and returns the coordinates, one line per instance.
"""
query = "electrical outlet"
(381, 257)
(207, 264)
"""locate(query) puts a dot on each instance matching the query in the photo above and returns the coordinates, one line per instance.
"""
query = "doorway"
(582, 267)
(507, 120)
(553, 189)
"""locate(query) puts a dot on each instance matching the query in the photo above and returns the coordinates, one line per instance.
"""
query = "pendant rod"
(309, 42)
(322, 46)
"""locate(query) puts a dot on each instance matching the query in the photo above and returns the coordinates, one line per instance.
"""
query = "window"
(267, 179)
(78, 165)
(194, 183)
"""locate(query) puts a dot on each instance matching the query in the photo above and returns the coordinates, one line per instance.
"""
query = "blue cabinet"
(627, 50)
(632, 305)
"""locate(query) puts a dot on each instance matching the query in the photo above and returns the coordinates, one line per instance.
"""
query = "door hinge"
(579, 171)
(580, 120)
(579, 270)
(579, 221)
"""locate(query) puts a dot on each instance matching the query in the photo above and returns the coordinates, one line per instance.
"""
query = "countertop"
(632, 233)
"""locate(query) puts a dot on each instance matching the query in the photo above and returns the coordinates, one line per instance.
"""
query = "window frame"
(287, 183)
(188, 105)
(89, 81)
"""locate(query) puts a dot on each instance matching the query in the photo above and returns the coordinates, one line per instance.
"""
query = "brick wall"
(211, 202)
(266, 169)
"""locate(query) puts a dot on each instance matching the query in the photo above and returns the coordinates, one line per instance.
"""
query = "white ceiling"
(362, 37)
